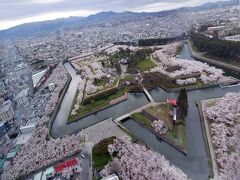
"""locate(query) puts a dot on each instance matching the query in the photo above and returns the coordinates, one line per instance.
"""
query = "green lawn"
(142, 119)
(100, 160)
(96, 105)
(176, 136)
(161, 112)
(145, 64)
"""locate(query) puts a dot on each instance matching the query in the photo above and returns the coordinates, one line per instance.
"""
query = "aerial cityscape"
(106, 90)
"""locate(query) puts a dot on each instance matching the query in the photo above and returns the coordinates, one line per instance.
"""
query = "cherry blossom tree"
(224, 117)
(136, 162)
(159, 126)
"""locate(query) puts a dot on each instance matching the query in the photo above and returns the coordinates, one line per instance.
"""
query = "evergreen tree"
(182, 103)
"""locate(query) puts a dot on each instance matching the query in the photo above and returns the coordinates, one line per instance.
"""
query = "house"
(172, 102)
(66, 164)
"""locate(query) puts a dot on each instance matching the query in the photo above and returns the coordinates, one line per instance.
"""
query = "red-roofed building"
(172, 102)
(66, 164)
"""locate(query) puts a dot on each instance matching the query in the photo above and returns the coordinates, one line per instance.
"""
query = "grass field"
(142, 119)
(161, 112)
(145, 64)
(177, 135)
(100, 160)
(96, 105)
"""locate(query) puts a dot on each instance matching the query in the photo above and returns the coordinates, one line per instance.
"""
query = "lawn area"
(100, 160)
(161, 112)
(96, 105)
(100, 153)
(145, 64)
(101, 82)
(142, 119)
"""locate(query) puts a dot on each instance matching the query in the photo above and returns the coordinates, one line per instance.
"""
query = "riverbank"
(201, 104)
(175, 134)
(162, 137)
(199, 57)
(58, 105)
(100, 107)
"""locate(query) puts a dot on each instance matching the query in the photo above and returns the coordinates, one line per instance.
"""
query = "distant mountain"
(38, 28)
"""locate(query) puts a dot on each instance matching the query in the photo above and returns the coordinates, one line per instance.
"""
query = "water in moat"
(195, 164)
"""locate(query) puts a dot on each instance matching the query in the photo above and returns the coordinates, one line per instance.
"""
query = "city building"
(6, 111)
(233, 38)
(21, 98)
(4, 127)
(2, 89)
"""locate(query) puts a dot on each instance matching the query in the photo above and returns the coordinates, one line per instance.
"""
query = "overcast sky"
(15, 12)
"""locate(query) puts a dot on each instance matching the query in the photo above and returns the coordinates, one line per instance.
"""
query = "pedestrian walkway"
(148, 94)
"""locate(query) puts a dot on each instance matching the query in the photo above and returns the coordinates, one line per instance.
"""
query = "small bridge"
(121, 118)
(148, 95)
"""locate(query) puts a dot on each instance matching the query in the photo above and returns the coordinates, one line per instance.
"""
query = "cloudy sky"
(15, 12)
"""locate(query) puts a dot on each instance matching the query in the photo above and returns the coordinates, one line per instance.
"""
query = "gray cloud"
(16, 9)
(15, 12)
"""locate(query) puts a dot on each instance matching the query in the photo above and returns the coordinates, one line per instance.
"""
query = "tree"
(182, 103)
(136, 162)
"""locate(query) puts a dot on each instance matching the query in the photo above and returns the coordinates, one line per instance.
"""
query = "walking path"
(148, 95)
(209, 139)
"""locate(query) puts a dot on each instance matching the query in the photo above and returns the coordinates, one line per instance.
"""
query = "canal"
(195, 164)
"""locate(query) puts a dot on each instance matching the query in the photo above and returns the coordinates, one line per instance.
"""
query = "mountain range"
(37, 28)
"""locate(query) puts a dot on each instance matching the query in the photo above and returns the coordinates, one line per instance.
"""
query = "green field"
(100, 160)
(145, 64)
(176, 135)
(96, 105)
(142, 119)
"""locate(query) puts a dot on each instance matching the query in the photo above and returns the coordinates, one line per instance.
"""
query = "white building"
(6, 111)
(111, 177)
(233, 38)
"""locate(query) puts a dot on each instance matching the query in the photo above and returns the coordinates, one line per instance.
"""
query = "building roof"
(22, 93)
(38, 176)
(111, 177)
(37, 77)
(49, 170)
(11, 154)
(173, 102)
(2, 161)
(23, 138)
(59, 168)
(5, 106)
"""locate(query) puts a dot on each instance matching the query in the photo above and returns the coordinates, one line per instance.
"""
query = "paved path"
(102, 130)
(210, 144)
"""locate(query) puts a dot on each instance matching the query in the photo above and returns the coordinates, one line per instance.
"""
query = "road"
(86, 162)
